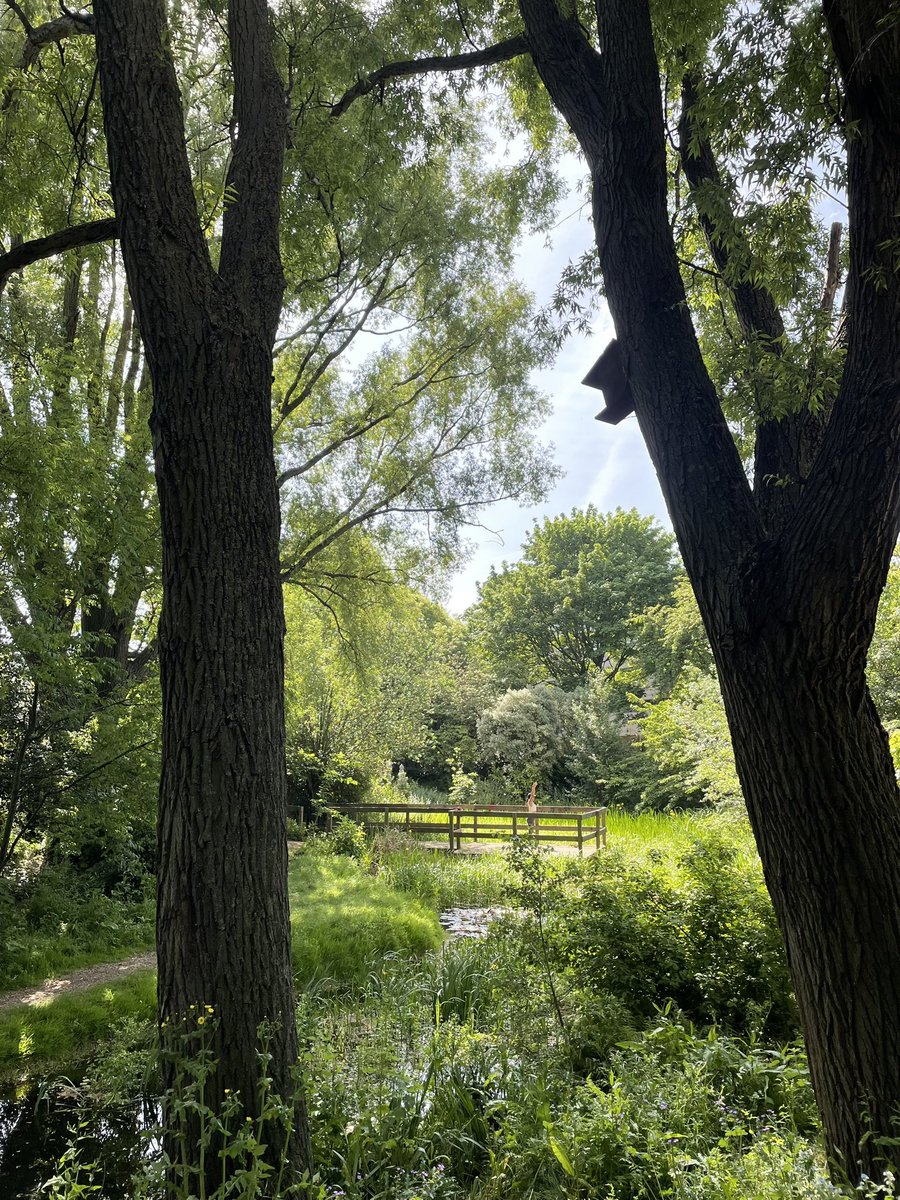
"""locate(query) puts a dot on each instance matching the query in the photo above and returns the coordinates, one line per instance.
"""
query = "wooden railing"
(479, 823)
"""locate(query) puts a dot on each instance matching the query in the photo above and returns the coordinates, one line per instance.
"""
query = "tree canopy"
(567, 607)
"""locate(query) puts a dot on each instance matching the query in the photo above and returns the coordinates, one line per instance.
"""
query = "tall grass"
(443, 880)
(674, 832)
(344, 920)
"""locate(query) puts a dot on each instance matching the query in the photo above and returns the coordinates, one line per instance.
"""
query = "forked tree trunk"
(789, 606)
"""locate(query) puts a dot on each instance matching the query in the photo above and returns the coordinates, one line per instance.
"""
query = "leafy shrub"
(347, 838)
(528, 732)
(687, 1115)
(686, 738)
(699, 931)
(463, 786)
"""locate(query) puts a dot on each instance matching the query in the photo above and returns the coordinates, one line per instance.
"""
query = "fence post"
(474, 827)
(580, 836)
(515, 824)
(450, 827)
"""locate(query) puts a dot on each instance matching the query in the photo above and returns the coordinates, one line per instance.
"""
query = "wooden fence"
(473, 823)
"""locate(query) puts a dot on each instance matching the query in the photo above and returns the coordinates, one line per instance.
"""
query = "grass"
(67, 1027)
(344, 920)
(672, 833)
(446, 881)
(56, 929)
(49, 958)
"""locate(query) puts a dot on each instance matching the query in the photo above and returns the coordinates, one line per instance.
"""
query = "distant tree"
(685, 736)
(606, 765)
(462, 686)
(569, 605)
(528, 734)
(669, 638)
(883, 670)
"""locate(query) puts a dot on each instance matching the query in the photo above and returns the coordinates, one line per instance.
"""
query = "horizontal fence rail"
(479, 823)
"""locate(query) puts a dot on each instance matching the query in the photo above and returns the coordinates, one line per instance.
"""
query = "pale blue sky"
(604, 465)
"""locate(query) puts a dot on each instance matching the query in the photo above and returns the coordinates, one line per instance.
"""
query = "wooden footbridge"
(470, 829)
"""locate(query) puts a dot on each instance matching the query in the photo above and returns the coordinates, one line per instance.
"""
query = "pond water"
(37, 1129)
(471, 922)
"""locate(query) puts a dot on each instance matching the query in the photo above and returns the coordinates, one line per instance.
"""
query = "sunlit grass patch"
(344, 920)
(63, 1028)
(445, 880)
(674, 831)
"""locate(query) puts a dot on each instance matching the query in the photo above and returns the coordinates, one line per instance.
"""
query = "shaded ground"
(78, 981)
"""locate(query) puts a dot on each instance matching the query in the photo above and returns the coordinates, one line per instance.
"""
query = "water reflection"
(37, 1129)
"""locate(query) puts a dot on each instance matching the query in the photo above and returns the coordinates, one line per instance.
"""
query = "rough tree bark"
(789, 604)
(223, 931)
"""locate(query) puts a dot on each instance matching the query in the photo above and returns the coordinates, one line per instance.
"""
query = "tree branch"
(52, 32)
(756, 310)
(832, 269)
(26, 253)
(785, 448)
(166, 257)
(17, 9)
(848, 524)
(250, 261)
(500, 52)
(612, 102)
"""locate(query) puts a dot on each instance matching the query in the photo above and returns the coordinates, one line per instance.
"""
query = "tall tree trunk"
(789, 611)
(223, 928)
(818, 779)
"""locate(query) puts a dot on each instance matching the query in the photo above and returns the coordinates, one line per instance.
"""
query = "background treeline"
(583, 666)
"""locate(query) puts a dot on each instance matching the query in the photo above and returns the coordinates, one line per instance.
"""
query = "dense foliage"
(568, 1054)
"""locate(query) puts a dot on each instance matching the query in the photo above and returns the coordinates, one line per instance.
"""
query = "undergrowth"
(55, 922)
(444, 880)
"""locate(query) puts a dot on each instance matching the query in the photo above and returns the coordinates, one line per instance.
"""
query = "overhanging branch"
(442, 63)
(753, 303)
(26, 253)
(70, 24)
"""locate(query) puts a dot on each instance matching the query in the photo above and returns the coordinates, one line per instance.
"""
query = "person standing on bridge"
(531, 806)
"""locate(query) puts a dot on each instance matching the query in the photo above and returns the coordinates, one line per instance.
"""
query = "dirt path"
(78, 981)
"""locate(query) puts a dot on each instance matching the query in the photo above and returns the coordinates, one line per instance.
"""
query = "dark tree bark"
(223, 931)
(788, 602)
